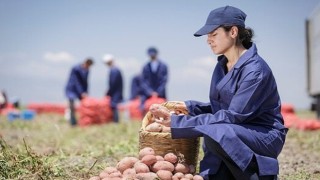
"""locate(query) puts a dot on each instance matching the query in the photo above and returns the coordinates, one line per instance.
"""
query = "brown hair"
(244, 35)
(88, 61)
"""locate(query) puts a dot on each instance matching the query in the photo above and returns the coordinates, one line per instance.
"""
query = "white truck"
(313, 58)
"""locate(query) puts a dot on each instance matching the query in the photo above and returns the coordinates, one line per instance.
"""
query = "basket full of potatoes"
(158, 136)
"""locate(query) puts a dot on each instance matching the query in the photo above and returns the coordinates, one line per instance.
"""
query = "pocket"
(226, 96)
(274, 142)
(269, 138)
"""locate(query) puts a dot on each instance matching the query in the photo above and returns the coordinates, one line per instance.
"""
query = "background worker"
(115, 90)
(77, 86)
(135, 90)
(154, 77)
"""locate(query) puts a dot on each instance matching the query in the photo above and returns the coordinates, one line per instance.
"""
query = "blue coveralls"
(243, 116)
(115, 90)
(135, 87)
(154, 81)
(76, 85)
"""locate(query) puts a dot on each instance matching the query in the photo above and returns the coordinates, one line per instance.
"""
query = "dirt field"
(48, 148)
(300, 157)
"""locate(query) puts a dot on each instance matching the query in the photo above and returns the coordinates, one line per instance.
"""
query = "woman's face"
(220, 41)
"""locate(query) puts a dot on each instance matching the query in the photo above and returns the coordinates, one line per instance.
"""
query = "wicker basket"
(162, 143)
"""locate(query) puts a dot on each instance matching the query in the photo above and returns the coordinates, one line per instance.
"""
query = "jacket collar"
(222, 60)
(247, 55)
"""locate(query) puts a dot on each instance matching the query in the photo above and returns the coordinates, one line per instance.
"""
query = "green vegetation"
(48, 148)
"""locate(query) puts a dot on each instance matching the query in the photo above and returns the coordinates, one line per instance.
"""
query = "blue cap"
(227, 15)
(152, 51)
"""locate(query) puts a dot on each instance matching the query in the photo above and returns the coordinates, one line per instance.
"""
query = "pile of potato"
(149, 166)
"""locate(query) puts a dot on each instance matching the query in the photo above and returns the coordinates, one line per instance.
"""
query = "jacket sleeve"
(244, 106)
(135, 87)
(80, 82)
(113, 82)
(145, 87)
(196, 107)
(164, 78)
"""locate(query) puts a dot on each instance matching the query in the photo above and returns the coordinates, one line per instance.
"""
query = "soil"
(300, 157)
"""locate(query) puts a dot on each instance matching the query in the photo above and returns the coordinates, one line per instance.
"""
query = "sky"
(40, 40)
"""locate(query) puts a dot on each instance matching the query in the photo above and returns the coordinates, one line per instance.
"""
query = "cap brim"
(206, 29)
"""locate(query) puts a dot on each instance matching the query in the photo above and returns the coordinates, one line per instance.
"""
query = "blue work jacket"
(243, 116)
(154, 82)
(77, 82)
(115, 90)
(135, 87)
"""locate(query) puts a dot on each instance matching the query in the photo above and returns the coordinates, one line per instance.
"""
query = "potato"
(95, 178)
(146, 151)
(188, 176)
(154, 127)
(159, 158)
(166, 129)
(133, 160)
(197, 177)
(103, 174)
(175, 178)
(149, 159)
(125, 163)
(164, 175)
(141, 167)
(170, 157)
(110, 170)
(115, 174)
(179, 175)
(181, 167)
(162, 165)
(129, 172)
(184, 178)
(147, 176)
(112, 178)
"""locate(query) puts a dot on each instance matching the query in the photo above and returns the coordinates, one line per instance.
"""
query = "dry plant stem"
(93, 165)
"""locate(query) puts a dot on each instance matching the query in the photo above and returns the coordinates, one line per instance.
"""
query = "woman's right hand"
(180, 107)
(159, 111)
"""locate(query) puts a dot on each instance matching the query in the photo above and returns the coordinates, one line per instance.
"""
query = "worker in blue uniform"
(77, 86)
(242, 127)
(154, 77)
(135, 90)
(115, 89)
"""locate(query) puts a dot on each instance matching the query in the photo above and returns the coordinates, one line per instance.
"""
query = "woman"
(242, 125)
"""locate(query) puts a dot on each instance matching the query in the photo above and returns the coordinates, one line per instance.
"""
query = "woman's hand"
(164, 121)
(180, 107)
(159, 111)
(161, 114)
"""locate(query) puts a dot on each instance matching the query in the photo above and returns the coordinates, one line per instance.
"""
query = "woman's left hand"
(164, 121)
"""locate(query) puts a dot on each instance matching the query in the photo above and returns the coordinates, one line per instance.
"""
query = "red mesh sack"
(153, 100)
(47, 108)
(94, 111)
(134, 109)
(287, 108)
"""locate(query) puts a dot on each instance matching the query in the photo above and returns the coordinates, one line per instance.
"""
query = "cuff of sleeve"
(182, 132)
(189, 107)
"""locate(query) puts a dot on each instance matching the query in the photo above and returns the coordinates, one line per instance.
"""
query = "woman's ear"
(234, 31)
